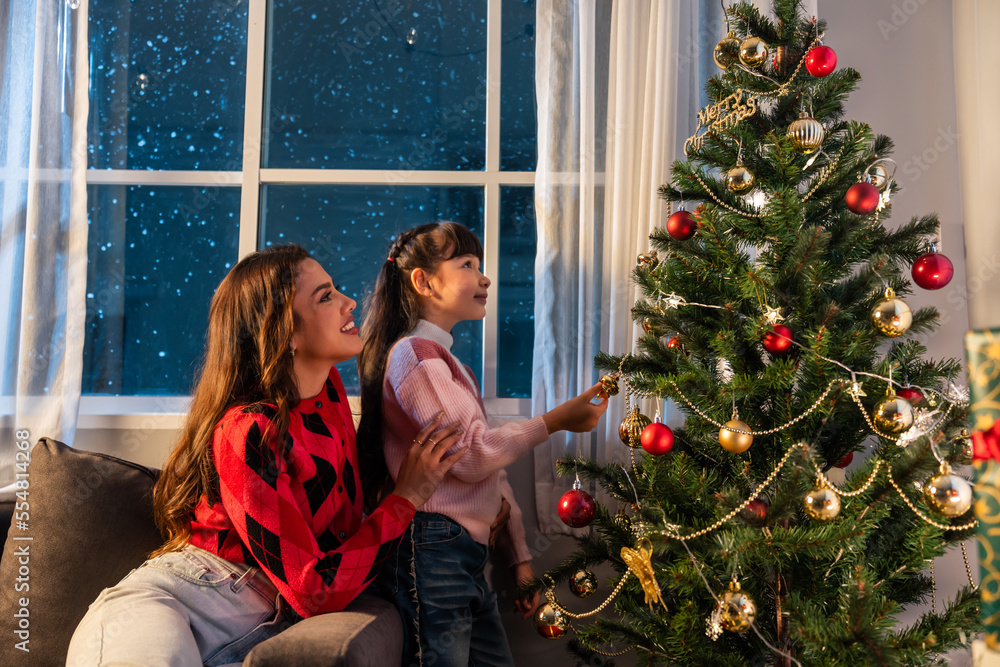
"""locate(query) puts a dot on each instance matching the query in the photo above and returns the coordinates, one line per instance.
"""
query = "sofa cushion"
(368, 633)
(90, 521)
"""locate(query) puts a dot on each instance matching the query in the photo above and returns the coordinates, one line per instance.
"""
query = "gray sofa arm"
(369, 633)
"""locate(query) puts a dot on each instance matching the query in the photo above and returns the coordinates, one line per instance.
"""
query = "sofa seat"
(89, 523)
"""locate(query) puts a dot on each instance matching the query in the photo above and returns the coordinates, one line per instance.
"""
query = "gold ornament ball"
(893, 415)
(822, 503)
(947, 494)
(550, 622)
(622, 520)
(609, 385)
(631, 427)
(583, 584)
(727, 50)
(732, 441)
(891, 316)
(961, 451)
(879, 176)
(738, 609)
(753, 52)
(740, 180)
(648, 259)
(806, 134)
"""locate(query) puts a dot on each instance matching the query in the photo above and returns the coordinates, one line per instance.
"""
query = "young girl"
(430, 282)
(260, 501)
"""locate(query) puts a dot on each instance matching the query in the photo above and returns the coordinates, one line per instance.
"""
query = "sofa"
(89, 521)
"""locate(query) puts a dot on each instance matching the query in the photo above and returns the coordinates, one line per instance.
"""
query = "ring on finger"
(431, 441)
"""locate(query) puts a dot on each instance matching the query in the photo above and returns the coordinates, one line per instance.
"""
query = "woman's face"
(324, 330)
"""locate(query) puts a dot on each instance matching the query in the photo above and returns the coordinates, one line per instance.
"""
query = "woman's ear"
(420, 281)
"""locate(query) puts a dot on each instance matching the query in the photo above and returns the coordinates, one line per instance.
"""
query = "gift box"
(982, 349)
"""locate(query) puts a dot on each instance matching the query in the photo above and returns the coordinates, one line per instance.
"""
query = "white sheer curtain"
(618, 87)
(43, 228)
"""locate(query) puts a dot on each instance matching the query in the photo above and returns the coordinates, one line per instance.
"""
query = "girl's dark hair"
(247, 360)
(391, 311)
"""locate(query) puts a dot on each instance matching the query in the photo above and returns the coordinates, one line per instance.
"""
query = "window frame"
(168, 412)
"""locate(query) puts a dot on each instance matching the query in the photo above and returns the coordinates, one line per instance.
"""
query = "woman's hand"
(498, 524)
(425, 465)
(523, 575)
(578, 414)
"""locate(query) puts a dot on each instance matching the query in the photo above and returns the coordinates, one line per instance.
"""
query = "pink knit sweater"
(423, 378)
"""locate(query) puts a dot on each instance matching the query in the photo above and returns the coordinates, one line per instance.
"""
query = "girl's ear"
(419, 281)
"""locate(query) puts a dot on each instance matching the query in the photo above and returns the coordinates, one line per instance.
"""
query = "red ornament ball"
(756, 511)
(846, 461)
(674, 343)
(821, 60)
(778, 340)
(862, 198)
(912, 396)
(932, 271)
(576, 508)
(681, 226)
(657, 439)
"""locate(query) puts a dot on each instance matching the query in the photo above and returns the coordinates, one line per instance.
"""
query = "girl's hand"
(523, 575)
(423, 468)
(578, 414)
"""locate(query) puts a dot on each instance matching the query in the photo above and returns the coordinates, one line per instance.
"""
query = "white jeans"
(183, 609)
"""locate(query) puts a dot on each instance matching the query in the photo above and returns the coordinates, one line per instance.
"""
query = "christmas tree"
(774, 316)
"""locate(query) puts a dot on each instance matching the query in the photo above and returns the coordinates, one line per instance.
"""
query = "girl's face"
(325, 332)
(458, 292)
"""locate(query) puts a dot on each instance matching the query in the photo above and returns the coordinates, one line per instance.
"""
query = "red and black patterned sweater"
(300, 520)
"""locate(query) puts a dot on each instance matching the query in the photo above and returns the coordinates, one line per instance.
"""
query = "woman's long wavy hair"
(247, 360)
(391, 311)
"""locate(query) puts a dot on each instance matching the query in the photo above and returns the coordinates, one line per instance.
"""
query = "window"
(221, 127)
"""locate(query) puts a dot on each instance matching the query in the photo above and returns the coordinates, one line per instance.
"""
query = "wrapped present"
(982, 350)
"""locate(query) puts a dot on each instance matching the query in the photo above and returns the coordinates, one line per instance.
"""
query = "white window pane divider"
(491, 200)
(394, 178)
(141, 177)
(253, 123)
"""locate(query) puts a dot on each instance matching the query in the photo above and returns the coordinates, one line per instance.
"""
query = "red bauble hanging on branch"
(912, 396)
(778, 340)
(577, 507)
(657, 438)
(862, 198)
(821, 60)
(932, 270)
(681, 226)
(755, 511)
(846, 461)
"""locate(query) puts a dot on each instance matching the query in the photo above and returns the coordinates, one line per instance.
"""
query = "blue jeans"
(436, 580)
(185, 608)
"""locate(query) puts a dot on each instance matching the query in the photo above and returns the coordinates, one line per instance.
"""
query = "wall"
(903, 50)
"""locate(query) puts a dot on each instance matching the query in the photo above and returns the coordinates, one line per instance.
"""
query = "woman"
(260, 501)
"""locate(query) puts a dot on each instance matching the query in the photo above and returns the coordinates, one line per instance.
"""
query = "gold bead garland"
(857, 492)
(769, 431)
(968, 570)
(742, 506)
(550, 596)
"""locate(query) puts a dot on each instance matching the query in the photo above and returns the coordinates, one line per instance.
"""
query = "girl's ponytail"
(389, 315)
